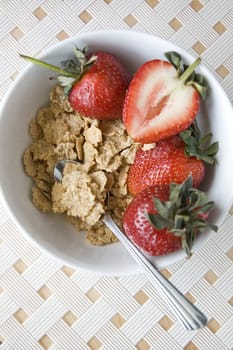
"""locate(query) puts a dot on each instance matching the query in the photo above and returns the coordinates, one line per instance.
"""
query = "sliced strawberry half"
(162, 99)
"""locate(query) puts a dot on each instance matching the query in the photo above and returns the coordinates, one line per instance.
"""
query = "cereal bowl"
(30, 92)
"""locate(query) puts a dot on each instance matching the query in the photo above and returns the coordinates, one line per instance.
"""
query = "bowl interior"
(30, 92)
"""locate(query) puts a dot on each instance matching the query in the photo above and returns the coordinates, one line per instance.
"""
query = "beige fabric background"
(46, 305)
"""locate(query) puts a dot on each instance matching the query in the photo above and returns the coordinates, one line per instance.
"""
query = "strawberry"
(162, 99)
(172, 160)
(161, 219)
(95, 84)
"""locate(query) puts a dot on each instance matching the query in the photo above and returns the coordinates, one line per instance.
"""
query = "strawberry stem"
(186, 74)
(49, 66)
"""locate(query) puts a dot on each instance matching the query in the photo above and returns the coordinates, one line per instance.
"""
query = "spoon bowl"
(59, 168)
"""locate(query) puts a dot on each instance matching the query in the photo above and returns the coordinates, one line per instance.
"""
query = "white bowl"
(30, 91)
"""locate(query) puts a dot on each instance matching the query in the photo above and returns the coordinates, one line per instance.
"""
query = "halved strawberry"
(162, 219)
(162, 99)
(172, 160)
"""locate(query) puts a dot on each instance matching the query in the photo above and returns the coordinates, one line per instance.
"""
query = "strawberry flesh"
(158, 105)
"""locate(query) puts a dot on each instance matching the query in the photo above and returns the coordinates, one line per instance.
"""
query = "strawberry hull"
(137, 227)
(163, 218)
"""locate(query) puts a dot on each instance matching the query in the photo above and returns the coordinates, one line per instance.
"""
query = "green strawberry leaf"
(202, 89)
(196, 144)
(175, 59)
(182, 215)
(90, 61)
(80, 55)
(157, 221)
(161, 208)
(212, 149)
(66, 82)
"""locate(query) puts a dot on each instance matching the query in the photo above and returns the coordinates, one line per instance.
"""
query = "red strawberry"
(160, 220)
(162, 99)
(101, 91)
(96, 83)
(172, 160)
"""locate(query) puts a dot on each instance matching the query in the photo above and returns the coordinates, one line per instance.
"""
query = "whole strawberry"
(95, 84)
(172, 160)
(162, 99)
(161, 219)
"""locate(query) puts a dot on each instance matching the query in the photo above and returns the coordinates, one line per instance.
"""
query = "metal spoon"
(186, 313)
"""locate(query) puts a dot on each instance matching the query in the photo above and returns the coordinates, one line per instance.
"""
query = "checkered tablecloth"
(47, 305)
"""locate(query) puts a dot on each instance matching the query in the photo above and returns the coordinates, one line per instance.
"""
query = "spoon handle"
(189, 316)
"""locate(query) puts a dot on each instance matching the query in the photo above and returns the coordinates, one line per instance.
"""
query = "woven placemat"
(45, 305)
